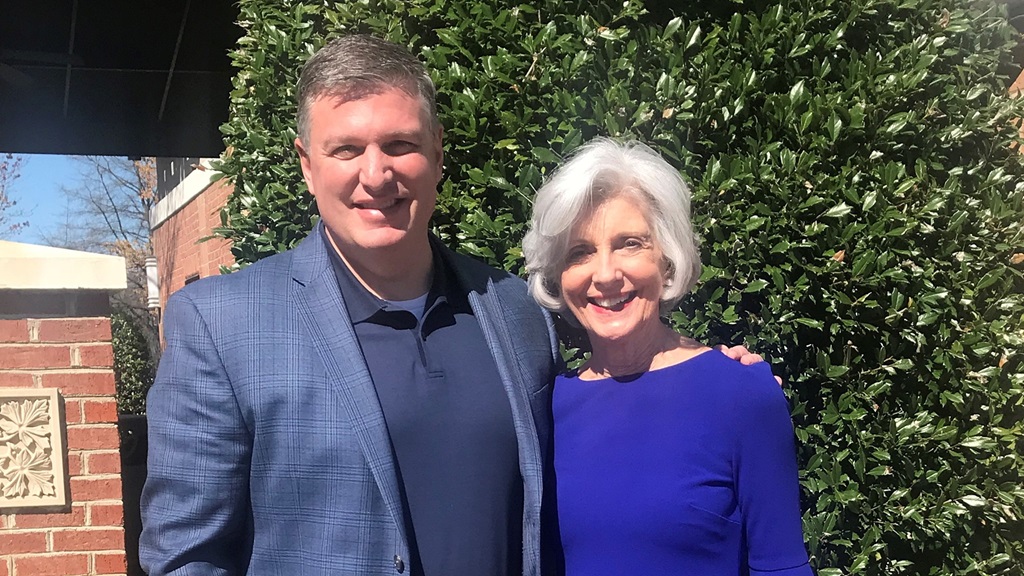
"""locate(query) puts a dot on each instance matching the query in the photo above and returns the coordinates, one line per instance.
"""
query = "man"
(369, 402)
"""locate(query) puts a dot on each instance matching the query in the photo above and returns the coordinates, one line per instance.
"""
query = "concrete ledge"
(31, 267)
(193, 184)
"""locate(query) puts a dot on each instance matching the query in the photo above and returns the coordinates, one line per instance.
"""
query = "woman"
(669, 457)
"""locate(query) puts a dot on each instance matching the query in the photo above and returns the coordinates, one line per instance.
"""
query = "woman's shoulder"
(750, 386)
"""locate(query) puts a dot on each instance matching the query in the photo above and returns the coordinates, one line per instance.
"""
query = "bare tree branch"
(11, 214)
(107, 211)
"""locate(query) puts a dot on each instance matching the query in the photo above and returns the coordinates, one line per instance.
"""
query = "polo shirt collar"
(363, 304)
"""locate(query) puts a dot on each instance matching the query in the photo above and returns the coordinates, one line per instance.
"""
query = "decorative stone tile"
(32, 471)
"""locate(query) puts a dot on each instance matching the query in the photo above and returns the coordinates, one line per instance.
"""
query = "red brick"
(93, 438)
(96, 355)
(74, 464)
(34, 357)
(111, 563)
(16, 380)
(1018, 86)
(24, 542)
(103, 462)
(88, 539)
(73, 411)
(52, 565)
(13, 330)
(106, 515)
(74, 518)
(100, 411)
(75, 330)
(4, 569)
(89, 489)
(81, 383)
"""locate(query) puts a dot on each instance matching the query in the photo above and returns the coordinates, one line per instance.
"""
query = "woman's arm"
(766, 479)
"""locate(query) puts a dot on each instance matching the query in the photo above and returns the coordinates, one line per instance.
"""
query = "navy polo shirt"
(450, 424)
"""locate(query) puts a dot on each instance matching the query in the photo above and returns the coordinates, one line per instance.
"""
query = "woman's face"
(614, 271)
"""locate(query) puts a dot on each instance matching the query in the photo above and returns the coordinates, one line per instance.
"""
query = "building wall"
(74, 355)
(176, 240)
(1016, 90)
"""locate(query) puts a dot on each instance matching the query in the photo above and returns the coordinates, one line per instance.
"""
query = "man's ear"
(304, 164)
(439, 144)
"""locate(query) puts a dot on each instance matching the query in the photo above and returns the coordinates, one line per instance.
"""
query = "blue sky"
(38, 192)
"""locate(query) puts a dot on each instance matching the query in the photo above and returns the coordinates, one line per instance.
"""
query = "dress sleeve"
(195, 501)
(766, 479)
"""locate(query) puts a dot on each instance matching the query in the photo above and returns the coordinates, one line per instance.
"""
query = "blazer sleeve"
(195, 512)
(767, 479)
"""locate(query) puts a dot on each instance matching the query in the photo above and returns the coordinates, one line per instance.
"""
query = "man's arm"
(744, 356)
(195, 501)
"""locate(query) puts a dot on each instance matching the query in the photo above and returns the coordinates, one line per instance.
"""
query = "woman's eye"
(576, 255)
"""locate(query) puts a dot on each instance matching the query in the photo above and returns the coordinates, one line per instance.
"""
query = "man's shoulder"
(470, 266)
(481, 276)
(268, 274)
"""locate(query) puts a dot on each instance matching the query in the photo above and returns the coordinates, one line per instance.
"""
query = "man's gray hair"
(356, 66)
(600, 170)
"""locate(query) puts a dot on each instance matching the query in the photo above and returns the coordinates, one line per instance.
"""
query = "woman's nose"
(607, 269)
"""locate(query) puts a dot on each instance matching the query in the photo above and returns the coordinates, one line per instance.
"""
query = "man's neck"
(400, 272)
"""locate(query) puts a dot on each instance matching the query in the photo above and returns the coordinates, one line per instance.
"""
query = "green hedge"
(854, 183)
(134, 368)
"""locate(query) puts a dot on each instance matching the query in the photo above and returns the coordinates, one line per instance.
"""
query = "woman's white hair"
(597, 171)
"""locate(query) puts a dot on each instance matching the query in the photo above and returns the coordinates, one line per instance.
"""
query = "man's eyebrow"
(332, 141)
(403, 135)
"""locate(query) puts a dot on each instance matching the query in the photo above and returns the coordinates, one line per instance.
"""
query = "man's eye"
(399, 147)
(346, 151)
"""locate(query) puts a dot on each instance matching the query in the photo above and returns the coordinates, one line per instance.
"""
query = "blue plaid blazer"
(268, 450)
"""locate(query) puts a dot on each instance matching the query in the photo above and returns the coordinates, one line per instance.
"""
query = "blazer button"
(399, 564)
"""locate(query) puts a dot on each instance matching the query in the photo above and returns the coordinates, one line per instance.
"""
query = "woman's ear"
(670, 271)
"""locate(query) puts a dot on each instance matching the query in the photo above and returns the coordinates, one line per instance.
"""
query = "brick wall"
(176, 244)
(75, 356)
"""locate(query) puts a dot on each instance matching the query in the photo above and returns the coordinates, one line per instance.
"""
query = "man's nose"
(376, 170)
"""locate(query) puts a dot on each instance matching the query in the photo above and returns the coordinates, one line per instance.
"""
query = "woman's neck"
(656, 347)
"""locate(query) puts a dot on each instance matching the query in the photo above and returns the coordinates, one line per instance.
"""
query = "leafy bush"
(854, 183)
(134, 368)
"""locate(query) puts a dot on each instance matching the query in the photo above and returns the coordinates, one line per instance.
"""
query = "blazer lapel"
(489, 313)
(332, 335)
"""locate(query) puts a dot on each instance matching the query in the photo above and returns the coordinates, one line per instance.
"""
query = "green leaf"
(837, 371)
(869, 200)
(838, 211)
(974, 501)
(672, 27)
(693, 39)
(756, 286)
(797, 92)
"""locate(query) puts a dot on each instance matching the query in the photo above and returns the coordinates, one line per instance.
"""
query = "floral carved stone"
(31, 449)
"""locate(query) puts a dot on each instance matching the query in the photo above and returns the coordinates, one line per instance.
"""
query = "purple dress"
(686, 470)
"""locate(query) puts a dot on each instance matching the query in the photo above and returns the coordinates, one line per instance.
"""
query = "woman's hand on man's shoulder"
(743, 356)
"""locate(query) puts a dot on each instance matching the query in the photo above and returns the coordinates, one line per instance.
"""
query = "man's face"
(373, 165)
